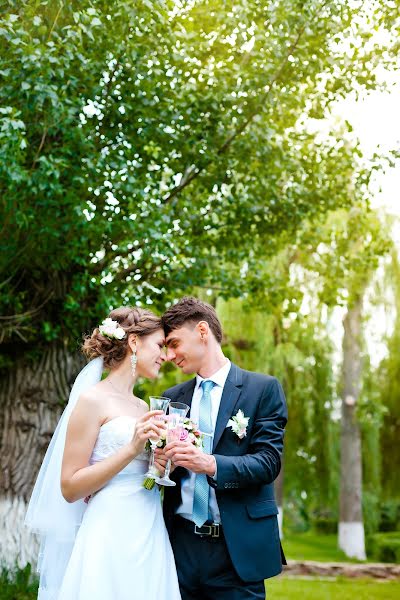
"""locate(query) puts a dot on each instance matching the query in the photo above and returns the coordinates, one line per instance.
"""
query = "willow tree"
(269, 333)
(145, 147)
(329, 264)
(349, 255)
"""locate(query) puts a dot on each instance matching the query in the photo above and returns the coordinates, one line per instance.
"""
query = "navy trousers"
(205, 570)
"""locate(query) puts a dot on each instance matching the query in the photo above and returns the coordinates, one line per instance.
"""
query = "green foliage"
(170, 375)
(343, 252)
(390, 515)
(339, 257)
(18, 585)
(370, 502)
(296, 510)
(329, 263)
(384, 547)
(293, 348)
(388, 383)
(370, 413)
(325, 525)
(148, 147)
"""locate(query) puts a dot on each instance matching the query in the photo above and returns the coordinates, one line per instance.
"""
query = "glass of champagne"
(178, 408)
(156, 403)
(177, 412)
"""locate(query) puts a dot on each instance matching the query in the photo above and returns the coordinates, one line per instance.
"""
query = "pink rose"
(184, 435)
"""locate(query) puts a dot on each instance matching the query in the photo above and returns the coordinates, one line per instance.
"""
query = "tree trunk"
(351, 527)
(278, 483)
(32, 397)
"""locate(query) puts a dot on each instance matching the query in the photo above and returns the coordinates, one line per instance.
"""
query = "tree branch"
(27, 314)
(42, 141)
(195, 172)
(55, 20)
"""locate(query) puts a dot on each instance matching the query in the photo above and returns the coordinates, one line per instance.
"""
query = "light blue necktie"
(201, 487)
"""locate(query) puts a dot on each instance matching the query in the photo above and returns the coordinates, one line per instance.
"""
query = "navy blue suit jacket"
(246, 470)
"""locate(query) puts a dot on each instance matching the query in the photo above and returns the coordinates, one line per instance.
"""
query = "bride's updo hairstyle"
(139, 321)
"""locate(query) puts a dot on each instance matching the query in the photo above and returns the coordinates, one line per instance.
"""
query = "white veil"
(49, 514)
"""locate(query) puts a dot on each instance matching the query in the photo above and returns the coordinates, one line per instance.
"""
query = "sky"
(376, 122)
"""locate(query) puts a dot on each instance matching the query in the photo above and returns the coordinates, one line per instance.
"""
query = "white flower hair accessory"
(239, 423)
(112, 329)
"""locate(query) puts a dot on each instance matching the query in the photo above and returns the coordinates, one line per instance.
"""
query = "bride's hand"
(147, 429)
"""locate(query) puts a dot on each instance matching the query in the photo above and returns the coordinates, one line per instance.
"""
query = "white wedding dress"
(122, 550)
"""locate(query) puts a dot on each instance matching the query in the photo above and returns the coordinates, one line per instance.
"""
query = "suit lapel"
(230, 396)
(187, 393)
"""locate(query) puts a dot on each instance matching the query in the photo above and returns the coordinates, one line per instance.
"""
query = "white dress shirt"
(185, 509)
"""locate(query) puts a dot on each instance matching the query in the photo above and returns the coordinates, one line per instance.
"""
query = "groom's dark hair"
(191, 310)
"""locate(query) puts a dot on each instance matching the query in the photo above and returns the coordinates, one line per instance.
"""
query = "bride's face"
(150, 354)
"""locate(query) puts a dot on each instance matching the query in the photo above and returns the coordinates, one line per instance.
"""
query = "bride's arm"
(78, 478)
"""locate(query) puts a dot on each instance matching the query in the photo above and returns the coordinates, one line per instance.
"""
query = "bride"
(102, 533)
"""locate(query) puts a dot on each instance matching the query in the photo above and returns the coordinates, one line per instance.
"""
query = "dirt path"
(326, 569)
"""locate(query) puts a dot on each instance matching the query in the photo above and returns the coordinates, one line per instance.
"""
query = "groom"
(221, 516)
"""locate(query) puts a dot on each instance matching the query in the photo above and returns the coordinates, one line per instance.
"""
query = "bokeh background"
(244, 152)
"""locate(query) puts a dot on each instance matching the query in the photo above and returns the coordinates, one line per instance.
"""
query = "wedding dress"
(122, 550)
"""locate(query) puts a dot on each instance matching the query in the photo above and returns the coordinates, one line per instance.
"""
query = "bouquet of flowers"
(189, 431)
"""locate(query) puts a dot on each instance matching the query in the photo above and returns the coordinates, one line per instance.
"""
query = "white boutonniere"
(239, 423)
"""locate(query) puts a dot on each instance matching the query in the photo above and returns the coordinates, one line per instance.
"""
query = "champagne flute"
(178, 408)
(177, 412)
(156, 403)
(174, 430)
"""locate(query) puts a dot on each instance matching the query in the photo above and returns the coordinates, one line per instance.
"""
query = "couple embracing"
(103, 535)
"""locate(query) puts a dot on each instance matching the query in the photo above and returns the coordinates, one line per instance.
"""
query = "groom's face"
(185, 348)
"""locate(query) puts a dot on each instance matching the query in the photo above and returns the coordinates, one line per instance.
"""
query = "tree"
(331, 263)
(145, 149)
(272, 335)
(359, 240)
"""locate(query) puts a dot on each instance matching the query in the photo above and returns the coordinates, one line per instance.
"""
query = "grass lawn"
(277, 588)
(299, 546)
(312, 546)
(284, 588)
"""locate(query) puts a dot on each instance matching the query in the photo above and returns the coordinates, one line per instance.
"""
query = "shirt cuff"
(214, 477)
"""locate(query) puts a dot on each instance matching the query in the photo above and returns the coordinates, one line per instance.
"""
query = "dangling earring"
(133, 363)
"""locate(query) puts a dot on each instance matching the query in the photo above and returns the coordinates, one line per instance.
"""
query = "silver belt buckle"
(212, 530)
(198, 532)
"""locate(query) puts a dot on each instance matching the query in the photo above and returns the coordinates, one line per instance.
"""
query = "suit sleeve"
(262, 462)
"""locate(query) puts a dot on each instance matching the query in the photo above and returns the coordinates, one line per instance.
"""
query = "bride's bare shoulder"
(143, 405)
(94, 397)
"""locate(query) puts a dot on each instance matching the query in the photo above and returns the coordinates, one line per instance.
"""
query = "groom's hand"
(185, 454)
(160, 460)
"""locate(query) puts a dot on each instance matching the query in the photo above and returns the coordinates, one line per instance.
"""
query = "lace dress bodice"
(112, 436)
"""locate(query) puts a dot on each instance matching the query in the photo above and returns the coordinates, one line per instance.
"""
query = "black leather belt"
(208, 530)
